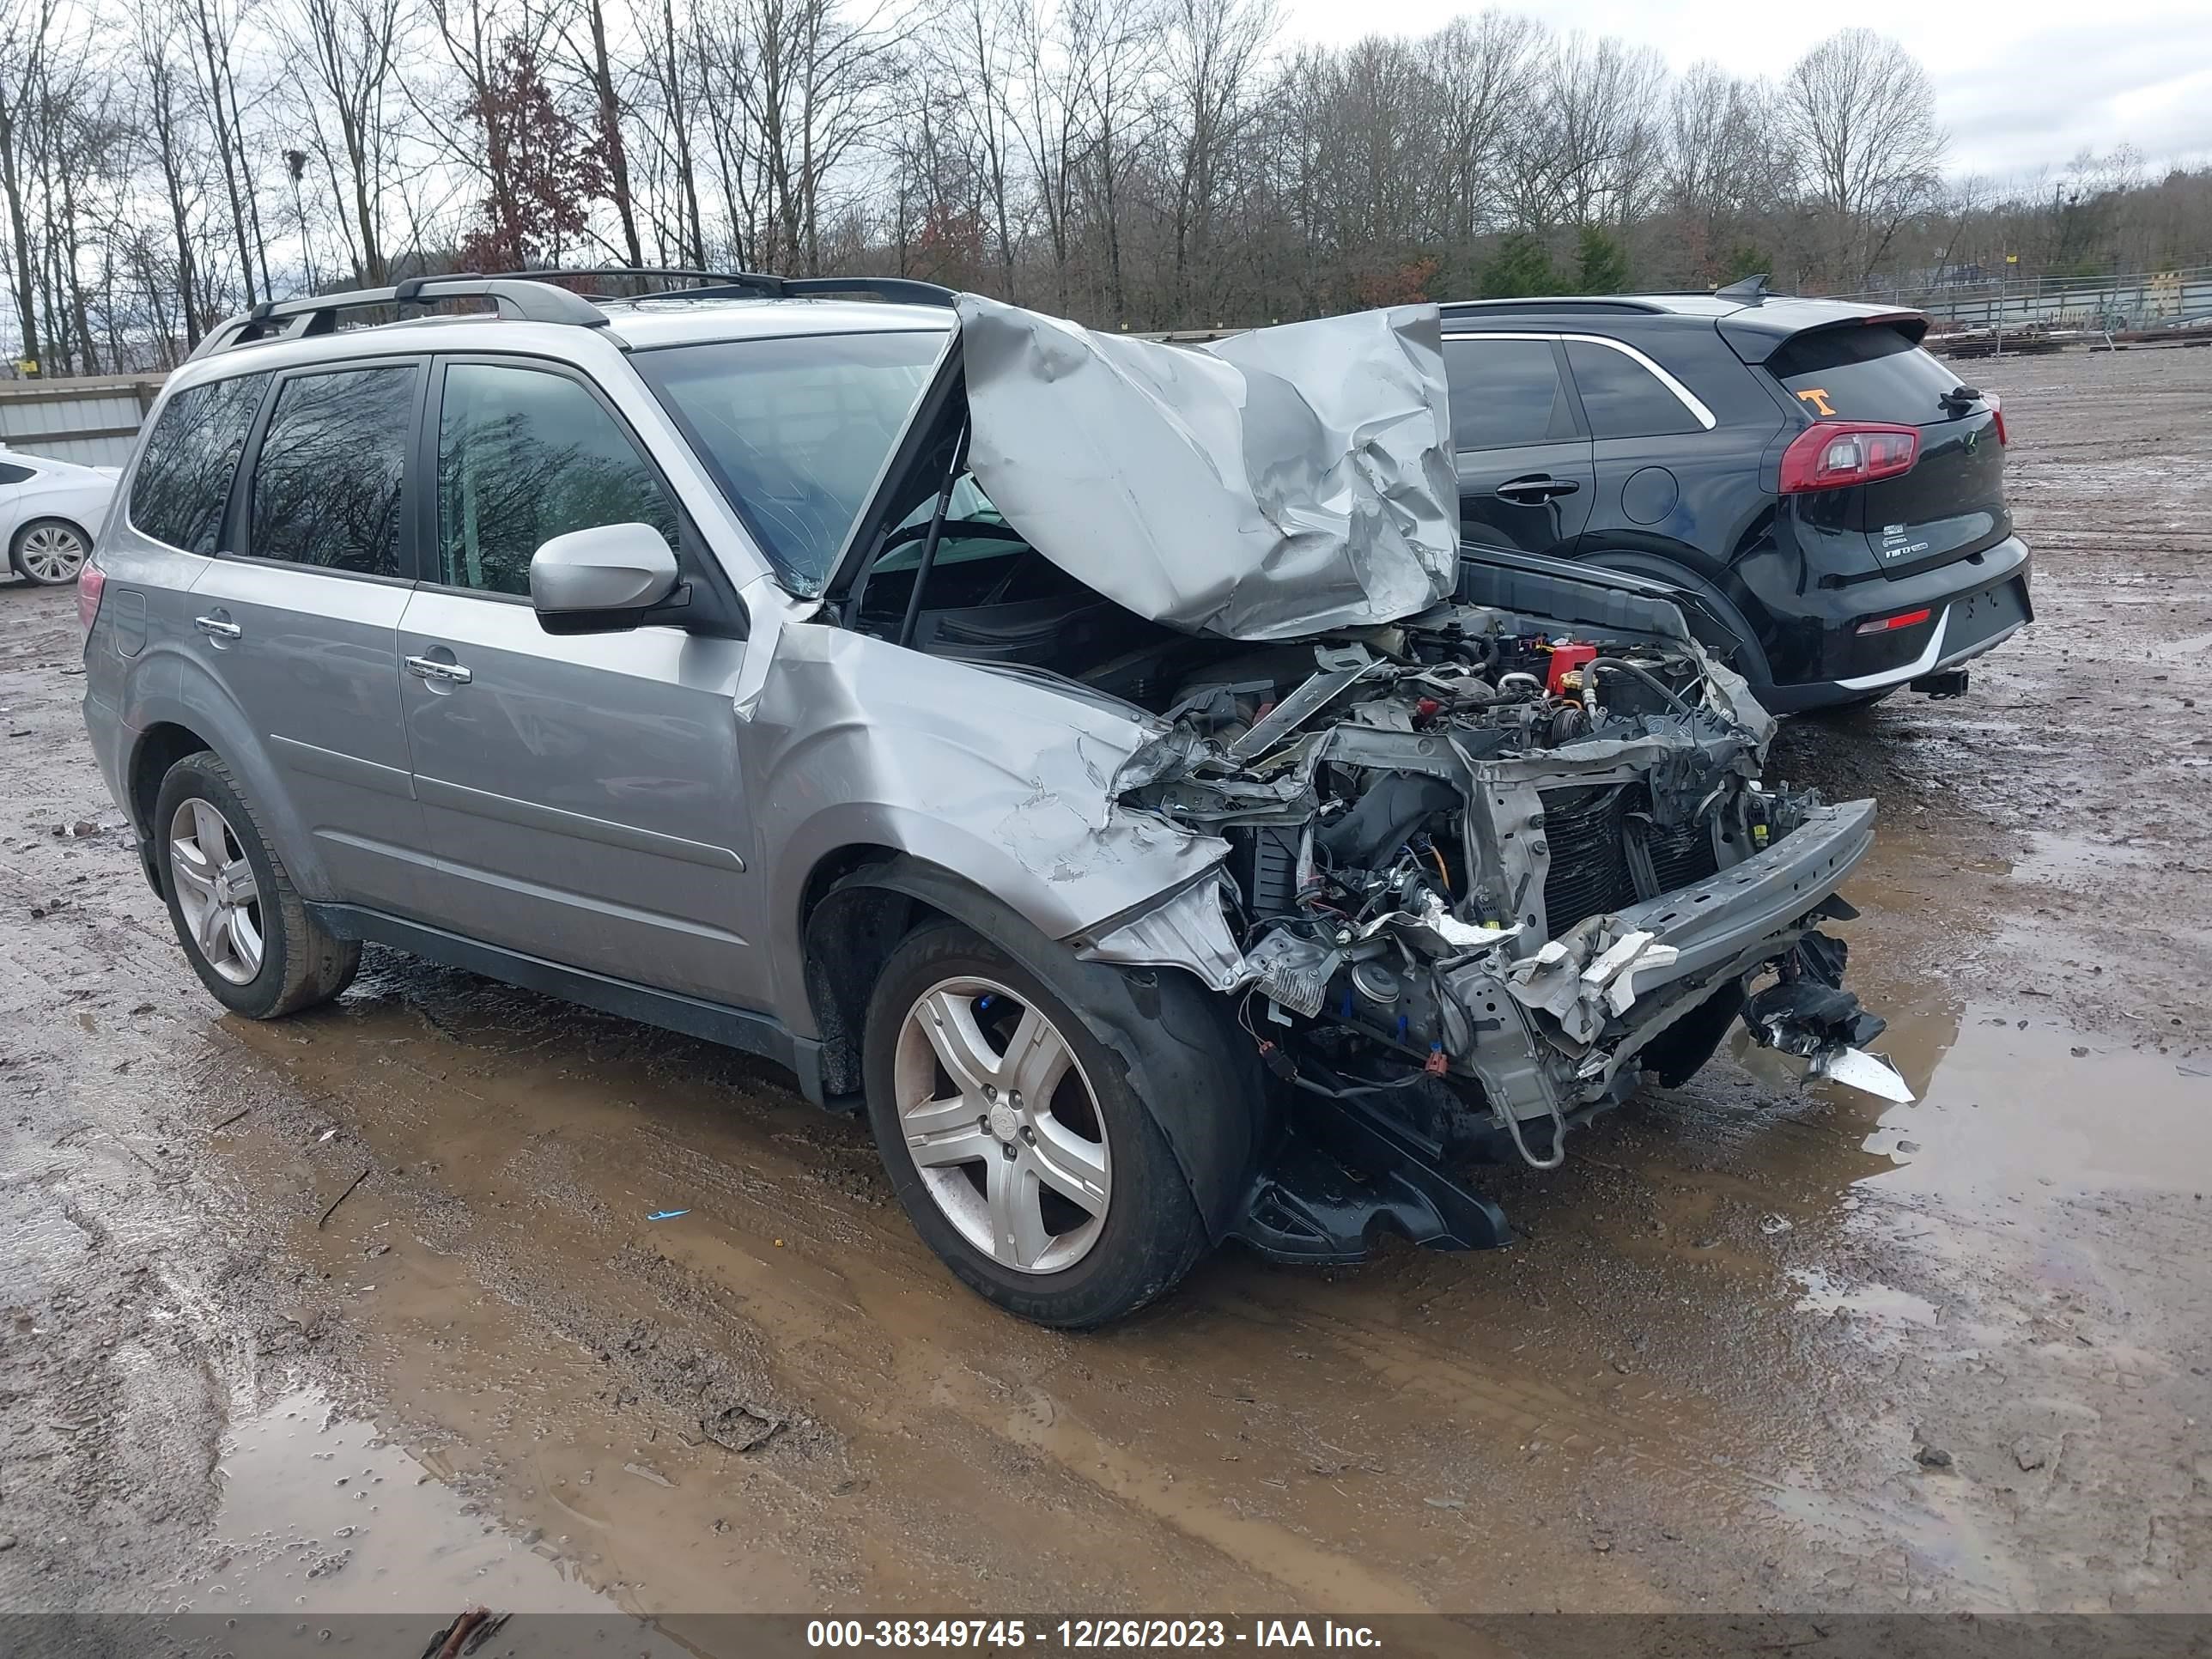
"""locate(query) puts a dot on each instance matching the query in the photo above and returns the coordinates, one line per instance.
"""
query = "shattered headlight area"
(1480, 882)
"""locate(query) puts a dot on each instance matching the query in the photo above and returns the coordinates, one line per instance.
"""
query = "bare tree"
(26, 31)
(214, 29)
(1480, 66)
(1211, 65)
(343, 55)
(609, 106)
(1138, 162)
(1718, 168)
(1860, 116)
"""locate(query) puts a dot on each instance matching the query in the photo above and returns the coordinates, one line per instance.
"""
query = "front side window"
(183, 482)
(1505, 392)
(1621, 397)
(524, 456)
(795, 431)
(328, 480)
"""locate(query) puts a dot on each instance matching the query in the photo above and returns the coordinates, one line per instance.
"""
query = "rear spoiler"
(1757, 332)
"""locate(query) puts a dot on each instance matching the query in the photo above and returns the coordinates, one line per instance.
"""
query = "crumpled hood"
(1275, 485)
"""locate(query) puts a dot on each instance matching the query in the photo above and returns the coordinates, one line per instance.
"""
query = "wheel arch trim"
(196, 702)
(1171, 1033)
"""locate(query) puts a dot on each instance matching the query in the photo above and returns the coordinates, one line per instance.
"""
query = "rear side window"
(327, 482)
(183, 482)
(1621, 398)
(15, 475)
(1505, 392)
(1861, 372)
(524, 456)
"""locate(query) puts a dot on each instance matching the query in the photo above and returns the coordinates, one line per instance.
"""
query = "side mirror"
(601, 580)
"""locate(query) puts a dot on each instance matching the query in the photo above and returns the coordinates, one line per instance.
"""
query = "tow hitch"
(1950, 684)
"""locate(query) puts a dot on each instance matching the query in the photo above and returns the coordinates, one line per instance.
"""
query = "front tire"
(50, 552)
(1013, 1138)
(245, 930)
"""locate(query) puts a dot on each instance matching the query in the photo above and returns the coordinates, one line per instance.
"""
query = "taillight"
(1997, 414)
(1890, 624)
(1835, 454)
(91, 583)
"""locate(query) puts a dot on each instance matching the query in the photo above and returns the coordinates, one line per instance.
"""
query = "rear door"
(1525, 476)
(1951, 503)
(581, 790)
(298, 614)
(1646, 429)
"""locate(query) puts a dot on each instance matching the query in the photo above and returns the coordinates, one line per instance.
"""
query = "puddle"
(1819, 1291)
(2052, 857)
(2050, 1109)
(321, 1515)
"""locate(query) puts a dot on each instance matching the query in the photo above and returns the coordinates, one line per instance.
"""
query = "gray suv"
(1094, 759)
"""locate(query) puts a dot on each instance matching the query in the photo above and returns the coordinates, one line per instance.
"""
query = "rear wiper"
(1959, 400)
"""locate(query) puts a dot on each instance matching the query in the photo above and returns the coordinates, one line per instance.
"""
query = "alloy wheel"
(52, 553)
(217, 891)
(1002, 1125)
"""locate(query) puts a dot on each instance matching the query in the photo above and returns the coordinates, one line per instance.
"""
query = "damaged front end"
(1483, 877)
(1487, 838)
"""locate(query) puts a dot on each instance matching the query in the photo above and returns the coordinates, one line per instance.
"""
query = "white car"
(50, 513)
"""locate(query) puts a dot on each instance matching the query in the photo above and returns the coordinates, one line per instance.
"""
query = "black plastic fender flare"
(1723, 610)
(1176, 1038)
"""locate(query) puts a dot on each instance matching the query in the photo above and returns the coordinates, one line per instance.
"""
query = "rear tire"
(1064, 1205)
(246, 931)
(50, 552)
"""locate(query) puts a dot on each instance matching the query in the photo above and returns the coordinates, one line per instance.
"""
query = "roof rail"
(750, 284)
(317, 313)
(532, 296)
(1552, 302)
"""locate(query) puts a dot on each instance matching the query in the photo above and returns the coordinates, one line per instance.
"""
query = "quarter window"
(524, 456)
(1622, 399)
(1505, 392)
(328, 478)
(15, 475)
(183, 482)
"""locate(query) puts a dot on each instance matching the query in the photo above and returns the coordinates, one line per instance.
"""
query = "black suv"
(1828, 496)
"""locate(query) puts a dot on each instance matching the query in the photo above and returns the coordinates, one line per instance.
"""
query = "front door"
(581, 790)
(1525, 476)
(299, 617)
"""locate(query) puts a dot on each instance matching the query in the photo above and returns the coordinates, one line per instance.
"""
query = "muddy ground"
(1758, 1348)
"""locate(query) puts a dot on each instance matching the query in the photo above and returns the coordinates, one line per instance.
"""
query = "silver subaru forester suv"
(1094, 758)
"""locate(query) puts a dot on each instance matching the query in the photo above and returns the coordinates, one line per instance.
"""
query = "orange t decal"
(1818, 398)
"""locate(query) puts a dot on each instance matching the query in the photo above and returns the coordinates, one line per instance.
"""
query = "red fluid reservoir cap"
(1566, 659)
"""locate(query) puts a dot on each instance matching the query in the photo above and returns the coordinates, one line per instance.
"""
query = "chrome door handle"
(430, 668)
(215, 629)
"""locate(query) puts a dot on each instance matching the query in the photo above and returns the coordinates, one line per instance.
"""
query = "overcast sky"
(2019, 86)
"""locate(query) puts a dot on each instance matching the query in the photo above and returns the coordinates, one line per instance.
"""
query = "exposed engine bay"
(1441, 833)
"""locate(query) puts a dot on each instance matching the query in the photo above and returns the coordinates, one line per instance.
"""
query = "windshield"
(794, 430)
